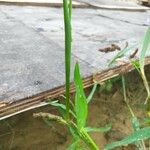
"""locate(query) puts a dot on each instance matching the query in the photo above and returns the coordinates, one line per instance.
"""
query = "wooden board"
(32, 50)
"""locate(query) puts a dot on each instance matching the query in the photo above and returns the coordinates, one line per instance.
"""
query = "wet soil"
(23, 132)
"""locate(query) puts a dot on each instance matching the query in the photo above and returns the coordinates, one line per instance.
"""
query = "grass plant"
(74, 115)
(139, 133)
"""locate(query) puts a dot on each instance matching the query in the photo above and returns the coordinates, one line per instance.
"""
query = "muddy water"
(23, 132)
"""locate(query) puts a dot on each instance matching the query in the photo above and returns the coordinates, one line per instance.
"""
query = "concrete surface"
(32, 45)
(124, 3)
(39, 1)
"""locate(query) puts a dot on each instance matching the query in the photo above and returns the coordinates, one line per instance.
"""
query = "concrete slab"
(39, 1)
(32, 46)
(101, 4)
(111, 2)
(130, 5)
(48, 3)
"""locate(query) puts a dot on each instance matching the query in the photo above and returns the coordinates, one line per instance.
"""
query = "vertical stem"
(142, 144)
(125, 96)
(67, 26)
(145, 82)
(147, 89)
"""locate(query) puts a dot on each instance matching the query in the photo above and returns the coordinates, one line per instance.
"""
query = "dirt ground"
(23, 132)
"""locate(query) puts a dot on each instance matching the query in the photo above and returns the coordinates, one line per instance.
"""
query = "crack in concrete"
(115, 19)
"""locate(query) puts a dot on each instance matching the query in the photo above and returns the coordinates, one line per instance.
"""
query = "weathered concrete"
(45, 3)
(110, 2)
(32, 45)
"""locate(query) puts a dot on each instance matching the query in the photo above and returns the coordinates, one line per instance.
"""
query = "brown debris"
(126, 45)
(111, 48)
(133, 54)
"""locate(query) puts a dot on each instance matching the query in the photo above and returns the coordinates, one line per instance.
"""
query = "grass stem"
(142, 144)
(68, 39)
(125, 96)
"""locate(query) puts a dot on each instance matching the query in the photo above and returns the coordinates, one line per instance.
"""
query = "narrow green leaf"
(145, 46)
(74, 132)
(141, 134)
(121, 53)
(92, 93)
(136, 127)
(62, 106)
(81, 107)
(101, 129)
(74, 145)
(78, 80)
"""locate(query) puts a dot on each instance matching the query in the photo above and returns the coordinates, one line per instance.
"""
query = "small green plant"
(75, 112)
(74, 115)
(107, 85)
(139, 133)
(139, 65)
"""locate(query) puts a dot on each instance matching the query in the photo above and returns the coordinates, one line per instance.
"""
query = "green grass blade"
(92, 93)
(122, 53)
(62, 106)
(78, 80)
(141, 134)
(145, 46)
(136, 127)
(81, 107)
(68, 39)
(125, 96)
(74, 145)
(101, 129)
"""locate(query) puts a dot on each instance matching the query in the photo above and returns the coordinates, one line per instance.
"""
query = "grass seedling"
(78, 116)
(139, 134)
(139, 64)
(144, 48)
(74, 115)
